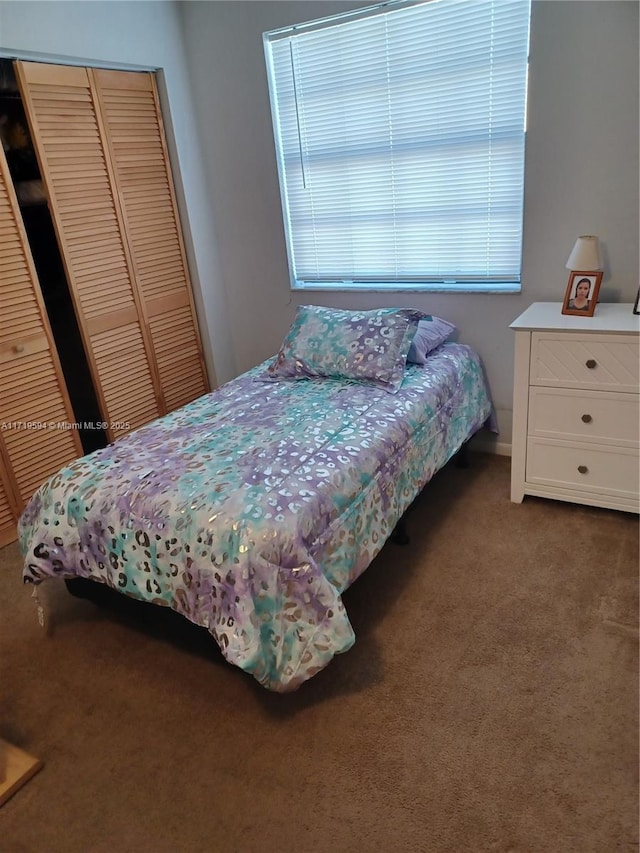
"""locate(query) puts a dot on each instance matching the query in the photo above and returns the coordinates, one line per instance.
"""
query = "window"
(400, 139)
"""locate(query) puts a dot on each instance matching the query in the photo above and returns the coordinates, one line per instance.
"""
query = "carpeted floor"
(490, 703)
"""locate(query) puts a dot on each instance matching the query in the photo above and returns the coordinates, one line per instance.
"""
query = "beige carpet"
(490, 703)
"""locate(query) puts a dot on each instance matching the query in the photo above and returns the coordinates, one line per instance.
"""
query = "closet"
(98, 331)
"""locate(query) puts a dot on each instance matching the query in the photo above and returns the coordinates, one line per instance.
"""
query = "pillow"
(432, 331)
(368, 346)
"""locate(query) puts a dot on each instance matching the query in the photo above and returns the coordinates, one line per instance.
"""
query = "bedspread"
(251, 509)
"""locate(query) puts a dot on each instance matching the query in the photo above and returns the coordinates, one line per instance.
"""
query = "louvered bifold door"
(69, 140)
(134, 130)
(37, 435)
(8, 509)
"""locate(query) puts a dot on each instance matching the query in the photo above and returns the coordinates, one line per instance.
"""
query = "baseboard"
(487, 445)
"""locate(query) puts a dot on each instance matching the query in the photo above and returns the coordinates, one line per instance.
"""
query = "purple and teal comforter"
(251, 509)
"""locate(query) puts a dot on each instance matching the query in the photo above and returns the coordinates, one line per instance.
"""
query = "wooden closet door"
(135, 135)
(68, 136)
(35, 410)
(8, 506)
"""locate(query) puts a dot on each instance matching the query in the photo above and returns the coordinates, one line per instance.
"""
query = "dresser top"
(615, 317)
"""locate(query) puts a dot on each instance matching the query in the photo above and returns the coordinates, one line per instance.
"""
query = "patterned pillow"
(368, 346)
(432, 331)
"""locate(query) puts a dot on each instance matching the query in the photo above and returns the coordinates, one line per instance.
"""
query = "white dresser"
(576, 406)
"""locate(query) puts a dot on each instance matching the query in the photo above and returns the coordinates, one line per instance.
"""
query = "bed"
(250, 510)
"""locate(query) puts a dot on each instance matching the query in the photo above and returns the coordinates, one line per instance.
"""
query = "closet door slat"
(115, 351)
(133, 124)
(67, 131)
(7, 513)
(34, 404)
(176, 350)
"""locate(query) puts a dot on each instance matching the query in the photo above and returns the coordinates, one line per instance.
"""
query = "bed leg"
(461, 458)
(400, 535)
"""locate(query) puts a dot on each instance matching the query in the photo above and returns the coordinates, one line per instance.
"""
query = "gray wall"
(581, 178)
(582, 158)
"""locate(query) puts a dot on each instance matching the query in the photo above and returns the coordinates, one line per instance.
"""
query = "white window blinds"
(400, 141)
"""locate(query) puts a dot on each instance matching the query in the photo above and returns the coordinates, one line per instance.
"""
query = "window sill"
(484, 287)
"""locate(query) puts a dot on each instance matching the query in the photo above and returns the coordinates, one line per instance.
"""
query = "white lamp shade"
(585, 255)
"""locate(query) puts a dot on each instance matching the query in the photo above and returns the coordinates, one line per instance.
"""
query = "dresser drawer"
(602, 417)
(583, 467)
(591, 361)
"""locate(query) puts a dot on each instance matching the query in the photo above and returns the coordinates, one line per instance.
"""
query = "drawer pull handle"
(583, 469)
(587, 419)
(18, 348)
(591, 363)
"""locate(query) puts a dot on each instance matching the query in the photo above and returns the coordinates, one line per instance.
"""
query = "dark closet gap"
(27, 180)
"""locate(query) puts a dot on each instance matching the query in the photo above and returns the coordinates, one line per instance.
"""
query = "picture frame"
(636, 304)
(580, 300)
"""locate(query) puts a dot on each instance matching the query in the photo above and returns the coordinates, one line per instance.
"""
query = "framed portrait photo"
(582, 293)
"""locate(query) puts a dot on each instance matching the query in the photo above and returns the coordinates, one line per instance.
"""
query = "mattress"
(251, 509)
